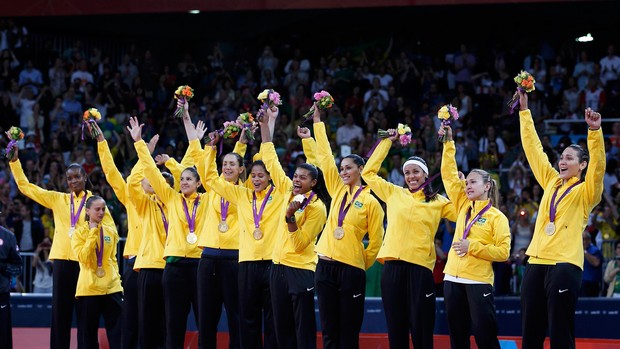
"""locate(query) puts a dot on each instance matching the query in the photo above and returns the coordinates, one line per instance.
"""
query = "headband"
(416, 162)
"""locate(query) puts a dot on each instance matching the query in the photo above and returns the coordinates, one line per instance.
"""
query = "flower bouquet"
(182, 93)
(15, 134)
(269, 98)
(404, 134)
(230, 130)
(446, 114)
(525, 82)
(91, 115)
(246, 120)
(323, 100)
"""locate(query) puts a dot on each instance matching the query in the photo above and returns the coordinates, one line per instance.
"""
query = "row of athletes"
(263, 247)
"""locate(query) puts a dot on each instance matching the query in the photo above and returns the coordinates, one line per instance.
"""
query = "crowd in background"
(45, 88)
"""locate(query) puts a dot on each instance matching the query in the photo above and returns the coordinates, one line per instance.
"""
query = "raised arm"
(32, 191)
(455, 187)
(539, 162)
(327, 163)
(309, 145)
(151, 172)
(596, 165)
(379, 186)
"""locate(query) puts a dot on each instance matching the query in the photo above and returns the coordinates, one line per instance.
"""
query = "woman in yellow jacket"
(408, 251)
(291, 280)
(552, 277)
(340, 277)
(68, 211)
(261, 212)
(149, 262)
(186, 218)
(481, 237)
(218, 268)
(134, 235)
(99, 291)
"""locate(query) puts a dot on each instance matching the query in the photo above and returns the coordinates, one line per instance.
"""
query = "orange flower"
(21, 135)
(86, 116)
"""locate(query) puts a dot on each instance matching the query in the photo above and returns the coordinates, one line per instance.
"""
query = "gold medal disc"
(258, 234)
(191, 238)
(339, 233)
(100, 272)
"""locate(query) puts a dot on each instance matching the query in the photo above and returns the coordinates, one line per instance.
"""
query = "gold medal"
(71, 231)
(550, 228)
(258, 234)
(191, 238)
(222, 227)
(339, 233)
(100, 272)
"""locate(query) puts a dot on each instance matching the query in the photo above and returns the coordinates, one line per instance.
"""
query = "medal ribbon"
(307, 201)
(76, 216)
(163, 217)
(99, 249)
(343, 210)
(469, 224)
(427, 182)
(259, 215)
(224, 208)
(554, 204)
(191, 221)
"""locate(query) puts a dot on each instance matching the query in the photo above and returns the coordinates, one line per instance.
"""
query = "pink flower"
(319, 95)
(405, 139)
(454, 112)
(275, 98)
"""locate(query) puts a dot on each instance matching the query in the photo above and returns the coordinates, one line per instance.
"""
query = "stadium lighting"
(585, 38)
(194, 12)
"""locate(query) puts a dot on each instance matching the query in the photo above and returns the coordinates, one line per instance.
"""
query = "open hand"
(135, 129)
(201, 129)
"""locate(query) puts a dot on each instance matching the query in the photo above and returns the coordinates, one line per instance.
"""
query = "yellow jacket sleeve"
(175, 169)
(152, 173)
(375, 231)
(112, 174)
(46, 198)
(539, 162)
(314, 220)
(279, 178)
(240, 148)
(379, 186)
(500, 249)
(595, 173)
(84, 243)
(455, 188)
(207, 169)
(309, 147)
(327, 163)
